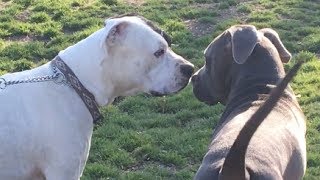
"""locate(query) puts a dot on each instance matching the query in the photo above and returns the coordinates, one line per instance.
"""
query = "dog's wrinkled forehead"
(147, 22)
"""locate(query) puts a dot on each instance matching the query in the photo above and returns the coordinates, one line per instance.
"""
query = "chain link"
(56, 77)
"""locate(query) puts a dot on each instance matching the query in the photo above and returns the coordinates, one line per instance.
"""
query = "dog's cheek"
(156, 79)
(203, 78)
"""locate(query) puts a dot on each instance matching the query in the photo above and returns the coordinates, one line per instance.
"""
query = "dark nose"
(186, 70)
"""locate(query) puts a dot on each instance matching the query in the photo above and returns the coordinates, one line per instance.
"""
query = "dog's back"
(234, 166)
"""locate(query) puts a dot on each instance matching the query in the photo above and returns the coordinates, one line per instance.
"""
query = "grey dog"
(243, 65)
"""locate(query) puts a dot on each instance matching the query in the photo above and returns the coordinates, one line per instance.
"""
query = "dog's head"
(238, 46)
(141, 59)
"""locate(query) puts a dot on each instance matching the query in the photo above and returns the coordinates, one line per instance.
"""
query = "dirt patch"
(232, 13)
(4, 5)
(134, 2)
(199, 28)
(20, 38)
(25, 38)
(23, 16)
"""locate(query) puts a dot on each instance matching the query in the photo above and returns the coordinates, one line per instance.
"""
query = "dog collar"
(250, 94)
(87, 97)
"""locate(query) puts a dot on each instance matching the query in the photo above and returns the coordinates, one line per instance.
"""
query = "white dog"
(46, 128)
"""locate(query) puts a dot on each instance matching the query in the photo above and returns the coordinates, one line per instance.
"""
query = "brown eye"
(159, 53)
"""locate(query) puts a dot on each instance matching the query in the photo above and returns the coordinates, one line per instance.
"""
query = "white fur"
(45, 128)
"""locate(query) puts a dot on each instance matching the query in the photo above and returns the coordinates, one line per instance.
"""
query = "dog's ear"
(243, 39)
(273, 36)
(116, 33)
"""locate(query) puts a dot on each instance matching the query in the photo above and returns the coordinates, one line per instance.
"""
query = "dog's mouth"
(157, 94)
(165, 91)
(206, 100)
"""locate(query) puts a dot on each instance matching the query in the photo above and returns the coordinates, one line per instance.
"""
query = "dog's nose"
(186, 70)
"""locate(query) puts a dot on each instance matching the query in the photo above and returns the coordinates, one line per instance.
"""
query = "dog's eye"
(159, 53)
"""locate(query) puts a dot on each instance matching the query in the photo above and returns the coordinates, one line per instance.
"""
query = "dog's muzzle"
(187, 70)
(201, 89)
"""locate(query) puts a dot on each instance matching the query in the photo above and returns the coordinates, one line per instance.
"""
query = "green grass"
(144, 137)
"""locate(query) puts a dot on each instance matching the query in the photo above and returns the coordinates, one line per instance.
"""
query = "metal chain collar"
(62, 74)
(56, 77)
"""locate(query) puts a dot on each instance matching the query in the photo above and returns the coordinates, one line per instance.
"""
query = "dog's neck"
(251, 82)
(260, 69)
(85, 58)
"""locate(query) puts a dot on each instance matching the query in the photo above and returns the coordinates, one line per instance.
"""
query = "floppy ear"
(116, 33)
(273, 36)
(243, 39)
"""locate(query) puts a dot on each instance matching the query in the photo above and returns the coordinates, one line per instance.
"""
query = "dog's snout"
(187, 70)
(194, 78)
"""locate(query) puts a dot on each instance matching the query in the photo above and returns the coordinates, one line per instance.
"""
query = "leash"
(62, 74)
(57, 77)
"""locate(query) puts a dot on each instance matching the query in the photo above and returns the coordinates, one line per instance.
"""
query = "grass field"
(143, 137)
